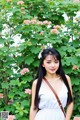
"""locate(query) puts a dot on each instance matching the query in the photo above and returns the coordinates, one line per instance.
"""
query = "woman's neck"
(51, 76)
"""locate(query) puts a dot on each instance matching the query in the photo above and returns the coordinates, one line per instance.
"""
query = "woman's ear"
(43, 65)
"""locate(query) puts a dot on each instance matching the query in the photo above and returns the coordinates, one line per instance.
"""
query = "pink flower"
(75, 67)
(23, 12)
(8, 0)
(76, 118)
(49, 22)
(39, 23)
(33, 21)
(78, 33)
(45, 22)
(27, 22)
(10, 102)
(20, 2)
(11, 117)
(28, 91)
(22, 8)
(57, 27)
(41, 33)
(1, 95)
(55, 31)
(24, 70)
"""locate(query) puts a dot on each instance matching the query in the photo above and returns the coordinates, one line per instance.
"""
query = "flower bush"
(37, 24)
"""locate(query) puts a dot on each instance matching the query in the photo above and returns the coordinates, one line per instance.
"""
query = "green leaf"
(2, 41)
(75, 81)
(71, 60)
(29, 78)
(14, 82)
(29, 60)
(9, 71)
(75, 43)
(23, 103)
(20, 59)
(78, 52)
(35, 49)
(21, 113)
(5, 85)
(26, 111)
(11, 95)
(36, 63)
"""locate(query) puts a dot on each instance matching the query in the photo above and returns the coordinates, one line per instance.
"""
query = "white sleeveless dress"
(48, 105)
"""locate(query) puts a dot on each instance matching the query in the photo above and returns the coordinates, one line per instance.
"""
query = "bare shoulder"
(34, 87)
(68, 79)
(69, 82)
(34, 83)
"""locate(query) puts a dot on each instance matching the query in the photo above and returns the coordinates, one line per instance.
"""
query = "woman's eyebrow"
(56, 59)
(48, 60)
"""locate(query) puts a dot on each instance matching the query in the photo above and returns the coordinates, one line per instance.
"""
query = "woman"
(44, 105)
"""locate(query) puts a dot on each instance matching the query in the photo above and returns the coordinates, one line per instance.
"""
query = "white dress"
(48, 105)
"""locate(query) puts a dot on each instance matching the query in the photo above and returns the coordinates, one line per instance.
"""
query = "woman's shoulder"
(67, 76)
(69, 80)
(34, 85)
(35, 82)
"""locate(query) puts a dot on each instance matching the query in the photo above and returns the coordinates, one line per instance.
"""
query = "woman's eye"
(56, 61)
(48, 62)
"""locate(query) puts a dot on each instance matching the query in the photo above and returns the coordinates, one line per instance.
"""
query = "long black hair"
(42, 72)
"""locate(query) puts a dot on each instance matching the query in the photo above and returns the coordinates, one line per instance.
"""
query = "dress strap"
(58, 100)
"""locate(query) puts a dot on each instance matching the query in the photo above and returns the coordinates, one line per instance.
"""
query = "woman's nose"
(53, 64)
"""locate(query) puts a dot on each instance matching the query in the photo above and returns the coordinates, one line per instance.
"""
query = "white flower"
(49, 45)
(39, 56)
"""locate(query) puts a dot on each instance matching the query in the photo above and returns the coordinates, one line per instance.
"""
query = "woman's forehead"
(51, 57)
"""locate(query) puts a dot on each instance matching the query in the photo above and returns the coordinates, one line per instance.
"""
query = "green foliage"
(35, 33)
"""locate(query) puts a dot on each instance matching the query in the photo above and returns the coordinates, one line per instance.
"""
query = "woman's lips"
(52, 69)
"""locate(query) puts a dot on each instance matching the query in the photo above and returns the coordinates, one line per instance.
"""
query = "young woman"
(44, 105)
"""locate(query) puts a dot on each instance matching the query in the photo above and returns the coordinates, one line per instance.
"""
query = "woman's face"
(51, 64)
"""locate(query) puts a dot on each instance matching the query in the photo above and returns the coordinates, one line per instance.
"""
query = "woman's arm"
(32, 111)
(70, 106)
(69, 111)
